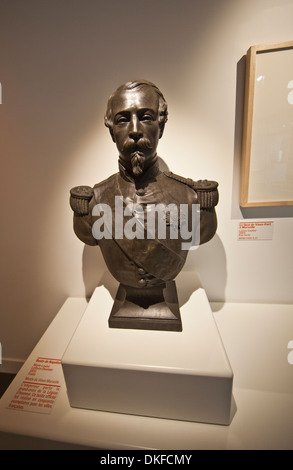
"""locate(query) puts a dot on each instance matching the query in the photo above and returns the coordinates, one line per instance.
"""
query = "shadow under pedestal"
(152, 308)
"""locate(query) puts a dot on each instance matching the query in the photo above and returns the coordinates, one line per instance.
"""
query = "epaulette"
(79, 199)
(207, 191)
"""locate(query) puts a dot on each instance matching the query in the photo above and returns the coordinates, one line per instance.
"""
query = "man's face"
(136, 129)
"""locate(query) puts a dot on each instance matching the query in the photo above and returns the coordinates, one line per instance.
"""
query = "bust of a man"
(143, 219)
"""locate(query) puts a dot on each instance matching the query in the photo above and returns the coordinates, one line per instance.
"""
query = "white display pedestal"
(178, 375)
(256, 338)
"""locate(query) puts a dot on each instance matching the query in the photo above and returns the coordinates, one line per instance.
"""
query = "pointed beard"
(137, 163)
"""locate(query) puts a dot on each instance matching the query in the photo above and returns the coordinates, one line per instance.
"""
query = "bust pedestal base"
(154, 308)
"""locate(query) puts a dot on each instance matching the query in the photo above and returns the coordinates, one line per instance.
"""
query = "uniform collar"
(147, 175)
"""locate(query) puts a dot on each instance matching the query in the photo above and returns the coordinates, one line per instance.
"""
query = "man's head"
(136, 115)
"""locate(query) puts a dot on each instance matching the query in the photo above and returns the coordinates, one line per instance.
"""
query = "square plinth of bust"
(176, 375)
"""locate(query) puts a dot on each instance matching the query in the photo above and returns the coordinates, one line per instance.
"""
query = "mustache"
(142, 144)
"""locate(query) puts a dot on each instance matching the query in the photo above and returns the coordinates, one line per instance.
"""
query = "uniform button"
(141, 271)
(138, 209)
(140, 192)
(142, 282)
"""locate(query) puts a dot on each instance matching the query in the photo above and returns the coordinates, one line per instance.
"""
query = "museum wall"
(59, 62)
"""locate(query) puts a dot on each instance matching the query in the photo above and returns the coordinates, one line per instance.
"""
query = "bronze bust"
(134, 215)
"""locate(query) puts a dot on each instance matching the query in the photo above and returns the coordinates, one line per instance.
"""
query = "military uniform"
(143, 263)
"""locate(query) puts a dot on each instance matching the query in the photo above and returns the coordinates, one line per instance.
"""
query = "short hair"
(163, 107)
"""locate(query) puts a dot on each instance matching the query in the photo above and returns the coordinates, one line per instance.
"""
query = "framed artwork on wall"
(267, 146)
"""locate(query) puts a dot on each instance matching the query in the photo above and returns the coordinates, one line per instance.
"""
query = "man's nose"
(135, 131)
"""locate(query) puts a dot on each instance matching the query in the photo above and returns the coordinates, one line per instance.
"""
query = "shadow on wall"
(209, 263)
(95, 272)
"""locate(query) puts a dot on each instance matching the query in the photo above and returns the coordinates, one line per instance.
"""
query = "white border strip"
(11, 365)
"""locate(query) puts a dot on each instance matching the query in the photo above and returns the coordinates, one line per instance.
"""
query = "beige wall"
(59, 61)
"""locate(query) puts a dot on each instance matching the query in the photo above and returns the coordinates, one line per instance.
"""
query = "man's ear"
(112, 134)
(162, 127)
